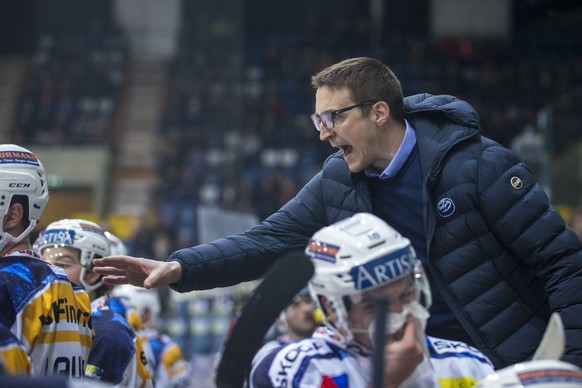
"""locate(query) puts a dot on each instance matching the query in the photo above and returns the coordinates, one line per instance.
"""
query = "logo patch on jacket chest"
(446, 207)
(516, 183)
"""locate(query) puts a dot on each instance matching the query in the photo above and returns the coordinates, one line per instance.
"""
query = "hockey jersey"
(172, 371)
(13, 357)
(47, 313)
(323, 361)
(116, 355)
(145, 353)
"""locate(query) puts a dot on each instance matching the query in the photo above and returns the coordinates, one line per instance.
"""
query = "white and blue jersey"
(324, 361)
(457, 364)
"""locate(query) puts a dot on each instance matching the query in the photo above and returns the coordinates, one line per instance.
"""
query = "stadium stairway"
(134, 145)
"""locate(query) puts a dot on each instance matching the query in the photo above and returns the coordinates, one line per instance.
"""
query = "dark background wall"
(21, 21)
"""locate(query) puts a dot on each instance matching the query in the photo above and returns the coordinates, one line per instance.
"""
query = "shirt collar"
(399, 159)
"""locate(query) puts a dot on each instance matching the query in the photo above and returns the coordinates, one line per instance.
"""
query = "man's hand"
(139, 272)
(401, 357)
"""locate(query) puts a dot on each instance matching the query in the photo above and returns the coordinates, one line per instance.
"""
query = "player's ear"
(281, 322)
(14, 216)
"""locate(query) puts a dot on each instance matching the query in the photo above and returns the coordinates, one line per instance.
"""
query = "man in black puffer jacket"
(499, 258)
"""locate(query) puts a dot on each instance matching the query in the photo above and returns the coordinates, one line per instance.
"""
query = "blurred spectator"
(71, 92)
(296, 322)
(529, 146)
(575, 220)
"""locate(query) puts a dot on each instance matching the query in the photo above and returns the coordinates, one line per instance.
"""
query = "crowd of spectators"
(72, 87)
(236, 132)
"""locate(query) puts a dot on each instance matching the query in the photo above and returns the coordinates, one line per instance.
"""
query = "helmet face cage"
(357, 255)
(21, 173)
(86, 236)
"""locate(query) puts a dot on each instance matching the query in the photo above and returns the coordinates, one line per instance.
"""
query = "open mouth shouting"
(347, 149)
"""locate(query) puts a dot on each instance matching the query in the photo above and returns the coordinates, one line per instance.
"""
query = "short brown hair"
(367, 79)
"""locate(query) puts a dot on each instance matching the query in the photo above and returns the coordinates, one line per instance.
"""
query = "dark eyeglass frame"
(319, 119)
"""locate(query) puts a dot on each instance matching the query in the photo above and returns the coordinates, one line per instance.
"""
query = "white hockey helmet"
(359, 254)
(535, 374)
(83, 235)
(142, 300)
(118, 248)
(21, 173)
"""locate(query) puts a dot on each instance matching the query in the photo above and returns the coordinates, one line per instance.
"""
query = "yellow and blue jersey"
(14, 359)
(47, 313)
(145, 355)
(172, 368)
(116, 356)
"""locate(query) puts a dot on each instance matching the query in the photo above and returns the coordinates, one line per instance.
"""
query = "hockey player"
(356, 261)
(14, 359)
(117, 247)
(116, 356)
(39, 305)
(172, 370)
(296, 322)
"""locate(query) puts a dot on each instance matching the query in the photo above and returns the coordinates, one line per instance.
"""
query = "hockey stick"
(553, 342)
(282, 281)
(381, 309)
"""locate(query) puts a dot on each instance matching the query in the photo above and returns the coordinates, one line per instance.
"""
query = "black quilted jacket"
(499, 253)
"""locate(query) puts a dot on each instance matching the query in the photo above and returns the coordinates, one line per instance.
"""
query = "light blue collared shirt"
(399, 159)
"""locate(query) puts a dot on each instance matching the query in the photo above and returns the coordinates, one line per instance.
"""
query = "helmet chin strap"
(88, 287)
(7, 238)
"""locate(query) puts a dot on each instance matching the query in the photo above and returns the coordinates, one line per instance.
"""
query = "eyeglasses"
(327, 117)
